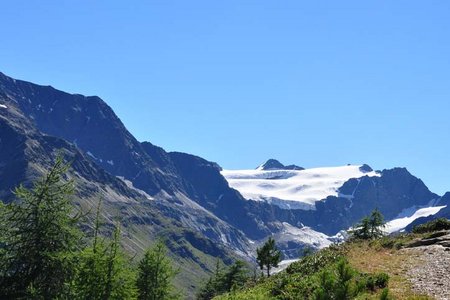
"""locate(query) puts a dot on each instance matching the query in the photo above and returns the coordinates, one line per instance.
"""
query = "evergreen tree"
(208, 291)
(376, 224)
(268, 255)
(224, 280)
(344, 275)
(335, 284)
(104, 271)
(39, 238)
(235, 276)
(213, 286)
(369, 227)
(155, 273)
(362, 229)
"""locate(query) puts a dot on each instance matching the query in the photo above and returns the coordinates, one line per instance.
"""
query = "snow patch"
(94, 157)
(305, 235)
(111, 162)
(282, 265)
(3, 106)
(293, 189)
(131, 186)
(407, 216)
(91, 155)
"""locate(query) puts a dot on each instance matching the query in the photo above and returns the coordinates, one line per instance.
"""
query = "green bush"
(435, 225)
(381, 280)
(322, 275)
(385, 294)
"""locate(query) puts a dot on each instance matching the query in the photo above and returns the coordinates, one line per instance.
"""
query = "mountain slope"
(26, 153)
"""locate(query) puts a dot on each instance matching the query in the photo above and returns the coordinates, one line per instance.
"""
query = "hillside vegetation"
(358, 269)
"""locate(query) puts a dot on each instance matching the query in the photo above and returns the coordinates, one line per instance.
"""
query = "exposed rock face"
(441, 238)
(92, 126)
(273, 164)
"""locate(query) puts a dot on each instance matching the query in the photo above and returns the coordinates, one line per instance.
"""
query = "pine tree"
(268, 255)
(39, 238)
(335, 284)
(155, 274)
(344, 275)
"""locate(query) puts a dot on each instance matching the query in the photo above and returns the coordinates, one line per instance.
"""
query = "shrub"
(435, 225)
(385, 294)
(381, 280)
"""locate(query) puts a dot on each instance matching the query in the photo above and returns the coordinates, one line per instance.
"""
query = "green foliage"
(104, 271)
(385, 294)
(312, 264)
(372, 282)
(225, 280)
(336, 284)
(435, 225)
(268, 255)
(42, 255)
(39, 238)
(369, 227)
(322, 275)
(381, 280)
(155, 273)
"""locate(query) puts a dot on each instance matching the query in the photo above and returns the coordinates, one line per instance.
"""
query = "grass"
(371, 257)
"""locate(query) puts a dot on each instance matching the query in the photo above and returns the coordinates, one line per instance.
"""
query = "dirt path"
(430, 272)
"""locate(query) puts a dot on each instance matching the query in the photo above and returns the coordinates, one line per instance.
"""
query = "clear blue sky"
(314, 83)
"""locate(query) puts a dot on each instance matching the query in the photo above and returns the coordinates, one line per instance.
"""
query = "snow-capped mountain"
(294, 188)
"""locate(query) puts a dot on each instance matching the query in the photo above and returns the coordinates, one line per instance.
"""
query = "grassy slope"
(382, 255)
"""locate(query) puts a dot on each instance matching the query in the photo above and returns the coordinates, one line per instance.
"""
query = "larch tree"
(268, 256)
(39, 238)
(155, 274)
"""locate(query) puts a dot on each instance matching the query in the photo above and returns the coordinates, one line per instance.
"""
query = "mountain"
(203, 211)
(273, 164)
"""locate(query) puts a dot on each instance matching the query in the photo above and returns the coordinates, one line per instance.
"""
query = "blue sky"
(315, 83)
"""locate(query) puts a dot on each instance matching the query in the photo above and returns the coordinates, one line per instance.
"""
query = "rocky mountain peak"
(273, 164)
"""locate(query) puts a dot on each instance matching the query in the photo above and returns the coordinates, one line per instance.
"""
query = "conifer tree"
(155, 274)
(235, 276)
(39, 238)
(369, 227)
(268, 255)
(362, 229)
(376, 223)
(104, 271)
(224, 280)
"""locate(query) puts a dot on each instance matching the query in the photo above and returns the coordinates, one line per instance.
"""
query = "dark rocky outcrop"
(273, 164)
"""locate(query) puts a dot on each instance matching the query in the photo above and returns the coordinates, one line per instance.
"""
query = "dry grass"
(374, 258)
